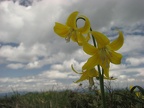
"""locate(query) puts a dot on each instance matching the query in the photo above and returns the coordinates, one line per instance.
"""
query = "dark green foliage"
(82, 100)
(69, 99)
(50, 99)
(124, 99)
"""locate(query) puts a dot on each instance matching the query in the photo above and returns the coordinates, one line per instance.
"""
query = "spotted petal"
(117, 43)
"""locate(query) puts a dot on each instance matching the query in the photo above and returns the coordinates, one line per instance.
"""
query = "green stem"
(102, 88)
(101, 74)
(101, 78)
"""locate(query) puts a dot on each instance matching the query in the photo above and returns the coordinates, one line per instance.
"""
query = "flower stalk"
(101, 74)
(101, 78)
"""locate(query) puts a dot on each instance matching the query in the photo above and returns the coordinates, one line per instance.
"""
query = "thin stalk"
(101, 78)
(101, 74)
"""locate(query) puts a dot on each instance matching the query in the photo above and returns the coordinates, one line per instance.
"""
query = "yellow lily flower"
(70, 29)
(104, 53)
(88, 75)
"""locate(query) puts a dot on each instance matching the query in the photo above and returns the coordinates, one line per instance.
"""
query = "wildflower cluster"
(103, 54)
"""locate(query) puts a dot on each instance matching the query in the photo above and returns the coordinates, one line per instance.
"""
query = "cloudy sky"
(33, 57)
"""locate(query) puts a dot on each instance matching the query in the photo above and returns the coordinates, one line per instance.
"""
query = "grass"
(71, 99)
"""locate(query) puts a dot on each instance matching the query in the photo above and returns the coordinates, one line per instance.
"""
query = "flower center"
(67, 38)
(104, 55)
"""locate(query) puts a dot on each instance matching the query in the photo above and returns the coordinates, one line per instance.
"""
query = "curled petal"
(117, 43)
(75, 70)
(88, 74)
(101, 39)
(61, 30)
(115, 57)
(83, 77)
(109, 78)
(71, 21)
(89, 49)
(86, 28)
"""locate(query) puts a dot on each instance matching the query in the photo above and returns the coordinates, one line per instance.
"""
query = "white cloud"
(31, 83)
(34, 64)
(22, 53)
(28, 25)
(15, 66)
(54, 74)
(135, 61)
(116, 67)
(133, 44)
(58, 67)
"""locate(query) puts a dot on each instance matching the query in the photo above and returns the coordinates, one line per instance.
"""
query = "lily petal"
(88, 74)
(89, 49)
(106, 72)
(75, 70)
(101, 39)
(71, 21)
(88, 37)
(109, 78)
(105, 63)
(83, 77)
(74, 36)
(117, 43)
(93, 73)
(61, 30)
(80, 39)
(91, 81)
(86, 28)
(91, 62)
(115, 57)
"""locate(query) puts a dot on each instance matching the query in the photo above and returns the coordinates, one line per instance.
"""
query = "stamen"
(68, 38)
(69, 35)
(104, 53)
